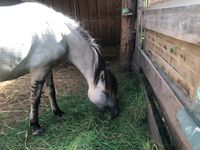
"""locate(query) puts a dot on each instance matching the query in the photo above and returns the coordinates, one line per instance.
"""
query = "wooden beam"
(178, 19)
(127, 42)
(138, 45)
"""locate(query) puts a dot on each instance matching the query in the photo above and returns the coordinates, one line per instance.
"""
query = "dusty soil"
(14, 95)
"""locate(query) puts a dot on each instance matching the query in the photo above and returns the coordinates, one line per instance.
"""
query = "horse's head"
(104, 93)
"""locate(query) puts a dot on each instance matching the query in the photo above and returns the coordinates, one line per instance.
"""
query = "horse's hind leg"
(37, 82)
(52, 95)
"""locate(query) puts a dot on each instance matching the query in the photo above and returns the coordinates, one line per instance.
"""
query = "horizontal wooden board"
(151, 2)
(181, 20)
(158, 4)
(180, 60)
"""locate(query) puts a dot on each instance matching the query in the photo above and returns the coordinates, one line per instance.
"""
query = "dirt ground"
(14, 95)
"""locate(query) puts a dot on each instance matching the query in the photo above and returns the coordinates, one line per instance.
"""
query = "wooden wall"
(172, 37)
(170, 60)
(179, 59)
(101, 17)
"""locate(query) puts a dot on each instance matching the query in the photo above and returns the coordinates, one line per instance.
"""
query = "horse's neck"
(81, 55)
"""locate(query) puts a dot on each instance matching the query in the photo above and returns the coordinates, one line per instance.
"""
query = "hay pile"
(83, 127)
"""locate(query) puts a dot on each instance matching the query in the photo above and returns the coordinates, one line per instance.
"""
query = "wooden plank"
(73, 8)
(136, 56)
(126, 45)
(102, 16)
(185, 53)
(159, 4)
(180, 61)
(84, 14)
(178, 72)
(93, 16)
(118, 19)
(188, 88)
(111, 21)
(167, 101)
(151, 2)
(174, 22)
(66, 7)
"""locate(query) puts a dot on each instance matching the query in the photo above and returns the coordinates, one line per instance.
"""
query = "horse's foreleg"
(37, 82)
(52, 95)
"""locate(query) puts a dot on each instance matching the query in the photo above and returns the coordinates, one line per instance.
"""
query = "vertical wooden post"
(127, 43)
(138, 46)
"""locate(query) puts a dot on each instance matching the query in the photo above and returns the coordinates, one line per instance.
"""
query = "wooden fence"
(102, 18)
(170, 60)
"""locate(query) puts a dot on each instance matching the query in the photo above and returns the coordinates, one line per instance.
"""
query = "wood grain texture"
(118, 19)
(126, 49)
(102, 18)
(180, 21)
(93, 17)
(151, 2)
(180, 60)
(84, 13)
(102, 24)
(167, 101)
(138, 45)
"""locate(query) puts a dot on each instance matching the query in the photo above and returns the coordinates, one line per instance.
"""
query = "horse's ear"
(102, 75)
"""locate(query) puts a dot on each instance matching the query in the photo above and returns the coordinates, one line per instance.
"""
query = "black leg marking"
(37, 82)
(52, 95)
(36, 89)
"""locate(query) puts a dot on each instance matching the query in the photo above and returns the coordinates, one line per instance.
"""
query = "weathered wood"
(138, 45)
(102, 18)
(181, 64)
(179, 20)
(84, 14)
(151, 2)
(102, 14)
(126, 51)
(118, 20)
(167, 101)
(111, 20)
(93, 15)
(66, 7)
(159, 4)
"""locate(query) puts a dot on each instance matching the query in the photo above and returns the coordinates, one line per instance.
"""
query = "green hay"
(84, 128)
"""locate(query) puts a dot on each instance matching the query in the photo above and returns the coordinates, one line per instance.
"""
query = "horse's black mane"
(99, 63)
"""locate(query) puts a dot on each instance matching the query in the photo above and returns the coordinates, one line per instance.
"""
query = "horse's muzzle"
(113, 111)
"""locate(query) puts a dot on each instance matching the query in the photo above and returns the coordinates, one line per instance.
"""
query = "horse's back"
(29, 31)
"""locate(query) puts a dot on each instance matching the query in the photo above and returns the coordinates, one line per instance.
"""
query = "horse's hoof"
(59, 114)
(38, 132)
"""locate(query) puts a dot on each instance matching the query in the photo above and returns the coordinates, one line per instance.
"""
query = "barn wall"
(102, 18)
(172, 37)
(169, 57)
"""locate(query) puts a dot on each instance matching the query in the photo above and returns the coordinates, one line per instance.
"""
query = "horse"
(34, 38)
